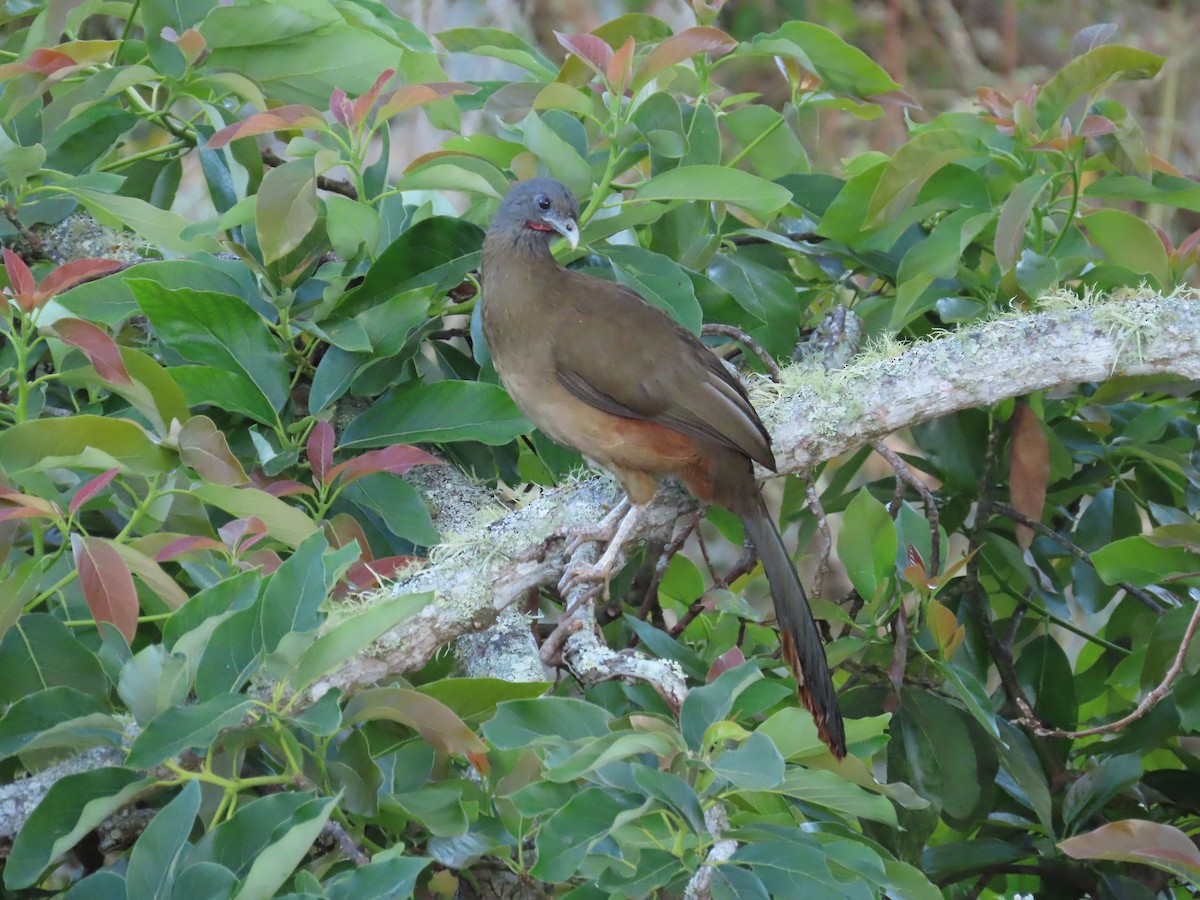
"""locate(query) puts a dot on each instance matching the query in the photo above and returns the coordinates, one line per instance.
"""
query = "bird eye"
(543, 201)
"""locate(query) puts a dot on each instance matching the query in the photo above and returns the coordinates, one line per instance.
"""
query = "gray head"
(535, 211)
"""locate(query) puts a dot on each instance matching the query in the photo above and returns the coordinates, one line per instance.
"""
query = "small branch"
(818, 510)
(36, 245)
(660, 568)
(1148, 703)
(740, 336)
(333, 185)
(716, 821)
(1075, 550)
(905, 475)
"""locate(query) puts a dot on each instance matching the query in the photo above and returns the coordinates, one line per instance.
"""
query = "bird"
(599, 369)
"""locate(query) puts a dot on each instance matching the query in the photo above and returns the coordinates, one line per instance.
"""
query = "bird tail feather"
(802, 647)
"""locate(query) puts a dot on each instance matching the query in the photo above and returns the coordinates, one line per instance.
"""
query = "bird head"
(534, 211)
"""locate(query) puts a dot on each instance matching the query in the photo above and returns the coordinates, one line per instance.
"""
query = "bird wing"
(653, 369)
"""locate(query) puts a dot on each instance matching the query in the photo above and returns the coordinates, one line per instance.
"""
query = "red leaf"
(366, 574)
(100, 349)
(620, 66)
(25, 506)
(589, 48)
(21, 511)
(340, 107)
(363, 104)
(730, 659)
(677, 48)
(914, 557)
(396, 459)
(282, 118)
(107, 584)
(479, 762)
(91, 489)
(242, 534)
(267, 560)
(1189, 247)
(203, 447)
(187, 544)
(1091, 126)
(42, 61)
(1029, 469)
(192, 45)
(76, 272)
(320, 450)
(344, 529)
(21, 279)
(418, 94)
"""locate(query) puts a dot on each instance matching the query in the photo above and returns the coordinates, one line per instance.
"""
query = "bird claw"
(581, 573)
(605, 530)
(578, 573)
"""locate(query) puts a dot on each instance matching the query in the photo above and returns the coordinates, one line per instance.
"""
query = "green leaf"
(1045, 674)
(26, 721)
(711, 703)
(396, 877)
(1020, 760)
(91, 441)
(441, 412)
(296, 55)
(500, 44)
(40, 652)
(159, 226)
(175, 730)
(841, 66)
(151, 681)
(155, 859)
(835, 793)
(912, 165)
(716, 183)
(351, 224)
(545, 720)
(290, 841)
(754, 766)
(1141, 562)
(1129, 241)
(437, 252)
(1088, 74)
(284, 523)
(1014, 216)
(348, 637)
(672, 790)
(476, 698)
(661, 281)
(286, 210)
(559, 157)
(595, 755)
(402, 509)
(867, 545)
(565, 838)
(217, 330)
(74, 805)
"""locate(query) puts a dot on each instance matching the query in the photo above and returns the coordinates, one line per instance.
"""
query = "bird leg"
(603, 569)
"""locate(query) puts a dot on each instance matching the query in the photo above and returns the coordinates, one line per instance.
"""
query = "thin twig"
(660, 568)
(818, 510)
(905, 474)
(738, 335)
(1148, 703)
(36, 245)
(1075, 550)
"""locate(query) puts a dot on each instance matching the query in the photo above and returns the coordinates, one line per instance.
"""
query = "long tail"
(802, 647)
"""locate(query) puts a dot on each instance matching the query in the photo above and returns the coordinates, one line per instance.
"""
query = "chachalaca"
(599, 369)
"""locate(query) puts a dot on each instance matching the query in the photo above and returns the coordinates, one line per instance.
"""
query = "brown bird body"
(599, 369)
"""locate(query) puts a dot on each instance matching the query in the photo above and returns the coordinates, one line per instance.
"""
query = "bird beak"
(566, 226)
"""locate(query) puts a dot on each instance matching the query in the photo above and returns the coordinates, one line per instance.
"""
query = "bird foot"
(605, 530)
(601, 572)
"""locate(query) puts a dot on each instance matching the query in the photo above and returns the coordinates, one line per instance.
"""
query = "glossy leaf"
(107, 583)
(204, 448)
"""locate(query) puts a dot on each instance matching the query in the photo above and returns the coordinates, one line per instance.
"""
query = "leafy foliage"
(178, 513)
